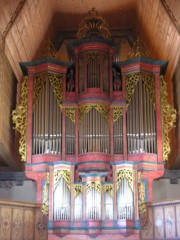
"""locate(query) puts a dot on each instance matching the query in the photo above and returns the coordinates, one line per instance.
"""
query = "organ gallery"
(94, 134)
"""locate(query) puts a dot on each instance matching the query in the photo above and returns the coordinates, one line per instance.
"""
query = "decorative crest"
(93, 26)
(139, 49)
(48, 50)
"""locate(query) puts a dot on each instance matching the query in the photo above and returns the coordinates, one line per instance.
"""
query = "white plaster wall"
(164, 190)
(25, 193)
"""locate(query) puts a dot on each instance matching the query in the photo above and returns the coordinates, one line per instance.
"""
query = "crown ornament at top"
(93, 26)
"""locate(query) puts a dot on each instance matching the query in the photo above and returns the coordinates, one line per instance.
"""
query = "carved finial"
(93, 26)
(93, 12)
(48, 50)
(139, 49)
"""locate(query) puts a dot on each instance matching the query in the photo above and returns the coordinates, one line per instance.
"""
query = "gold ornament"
(70, 112)
(117, 112)
(77, 190)
(139, 49)
(168, 119)
(94, 184)
(45, 201)
(93, 26)
(109, 189)
(101, 108)
(38, 83)
(131, 82)
(19, 118)
(65, 174)
(122, 174)
(141, 190)
(48, 50)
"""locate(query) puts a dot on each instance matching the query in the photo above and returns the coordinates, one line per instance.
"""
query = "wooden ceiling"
(25, 24)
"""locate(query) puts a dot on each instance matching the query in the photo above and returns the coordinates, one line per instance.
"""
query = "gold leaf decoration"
(70, 112)
(94, 184)
(139, 49)
(117, 112)
(168, 119)
(45, 200)
(125, 173)
(109, 189)
(38, 83)
(19, 117)
(101, 108)
(131, 82)
(141, 190)
(56, 82)
(93, 26)
(47, 51)
(77, 190)
(65, 174)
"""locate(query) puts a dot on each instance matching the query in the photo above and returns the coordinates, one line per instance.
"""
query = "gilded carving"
(125, 173)
(70, 112)
(56, 82)
(48, 50)
(141, 190)
(139, 49)
(131, 82)
(94, 184)
(93, 56)
(101, 108)
(19, 117)
(168, 119)
(109, 189)
(45, 194)
(65, 174)
(77, 190)
(38, 83)
(117, 112)
(93, 26)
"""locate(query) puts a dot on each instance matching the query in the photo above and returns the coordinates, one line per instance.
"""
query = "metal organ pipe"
(125, 205)
(141, 124)
(118, 136)
(47, 122)
(108, 206)
(61, 201)
(93, 205)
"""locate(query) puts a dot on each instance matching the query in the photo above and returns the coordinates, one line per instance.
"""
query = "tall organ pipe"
(47, 122)
(141, 123)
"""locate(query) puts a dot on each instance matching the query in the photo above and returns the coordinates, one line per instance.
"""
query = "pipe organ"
(95, 125)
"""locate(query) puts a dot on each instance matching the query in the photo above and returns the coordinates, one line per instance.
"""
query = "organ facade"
(94, 134)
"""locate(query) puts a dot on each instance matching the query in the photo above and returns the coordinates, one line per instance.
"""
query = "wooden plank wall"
(162, 37)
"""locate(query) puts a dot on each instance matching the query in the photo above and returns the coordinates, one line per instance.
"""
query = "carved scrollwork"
(70, 112)
(48, 50)
(94, 184)
(141, 190)
(109, 189)
(117, 112)
(139, 49)
(77, 190)
(38, 83)
(45, 199)
(168, 119)
(93, 26)
(56, 82)
(125, 173)
(65, 174)
(101, 108)
(131, 81)
(19, 117)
